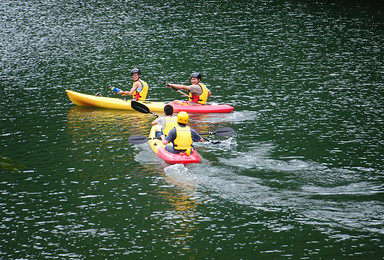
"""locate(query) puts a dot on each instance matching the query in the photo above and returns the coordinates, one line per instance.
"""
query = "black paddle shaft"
(140, 139)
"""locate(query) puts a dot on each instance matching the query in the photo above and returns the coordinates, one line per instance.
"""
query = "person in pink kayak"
(198, 92)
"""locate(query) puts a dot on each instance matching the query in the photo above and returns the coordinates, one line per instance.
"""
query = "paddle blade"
(138, 139)
(140, 107)
(225, 131)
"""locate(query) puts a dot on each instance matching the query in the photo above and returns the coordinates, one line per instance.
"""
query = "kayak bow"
(81, 99)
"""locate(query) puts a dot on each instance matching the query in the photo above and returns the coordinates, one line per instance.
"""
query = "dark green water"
(302, 179)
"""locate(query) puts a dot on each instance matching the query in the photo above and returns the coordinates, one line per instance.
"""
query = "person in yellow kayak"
(198, 92)
(181, 136)
(167, 122)
(139, 88)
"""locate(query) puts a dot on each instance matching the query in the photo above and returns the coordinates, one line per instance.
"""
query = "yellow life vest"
(141, 92)
(202, 99)
(170, 122)
(183, 139)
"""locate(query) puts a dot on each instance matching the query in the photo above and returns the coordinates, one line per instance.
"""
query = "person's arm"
(154, 122)
(195, 136)
(164, 140)
(128, 93)
(170, 137)
(178, 86)
(160, 121)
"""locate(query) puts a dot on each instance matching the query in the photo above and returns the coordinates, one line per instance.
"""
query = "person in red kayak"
(139, 88)
(198, 92)
(181, 136)
(167, 122)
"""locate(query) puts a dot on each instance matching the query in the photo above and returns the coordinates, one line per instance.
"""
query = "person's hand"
(168, 85)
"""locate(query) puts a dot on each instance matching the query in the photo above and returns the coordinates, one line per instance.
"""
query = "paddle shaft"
(214, 142)
(226, 131)
(140, 139)
(181, 92)
(154, 114)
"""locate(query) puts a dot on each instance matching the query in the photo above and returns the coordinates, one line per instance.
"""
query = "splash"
(179, 176)
(235, 117)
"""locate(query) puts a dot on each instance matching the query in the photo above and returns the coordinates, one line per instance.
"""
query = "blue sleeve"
(171, 135)
(195, 136)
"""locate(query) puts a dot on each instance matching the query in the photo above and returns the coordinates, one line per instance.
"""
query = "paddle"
(138, 139)
(141, 108)
(225, 131)
(167, 84)
(178, 90)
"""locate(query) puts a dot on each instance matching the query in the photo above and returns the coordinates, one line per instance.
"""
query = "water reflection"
(180, 217)
(101, 136)
(126, 122)
(97, 137)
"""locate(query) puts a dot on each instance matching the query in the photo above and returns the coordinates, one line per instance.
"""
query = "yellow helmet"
(182, 118)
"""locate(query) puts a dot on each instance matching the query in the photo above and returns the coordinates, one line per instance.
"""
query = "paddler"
(198, 92)
(167, 122)
(181, 136)
(139, 88)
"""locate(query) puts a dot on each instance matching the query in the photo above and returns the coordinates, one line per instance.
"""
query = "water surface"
(302, 178)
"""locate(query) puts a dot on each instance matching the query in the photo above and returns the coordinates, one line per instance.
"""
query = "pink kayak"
(201, 108)
(159, 148)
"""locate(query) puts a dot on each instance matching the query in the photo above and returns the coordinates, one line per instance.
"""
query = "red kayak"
(159, 148)
(201, 108)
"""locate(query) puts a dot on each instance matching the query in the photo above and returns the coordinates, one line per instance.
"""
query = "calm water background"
(303, 178)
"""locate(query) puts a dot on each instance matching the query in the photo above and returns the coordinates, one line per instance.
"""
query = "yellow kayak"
(81, 99)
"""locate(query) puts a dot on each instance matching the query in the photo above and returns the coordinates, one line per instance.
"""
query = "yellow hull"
(111, 103)
(153, 142)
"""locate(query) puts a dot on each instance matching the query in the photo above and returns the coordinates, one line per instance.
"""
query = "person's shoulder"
(136, 84)
(172, 131)
(195, 88)
(171, 135)
(194, 132)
